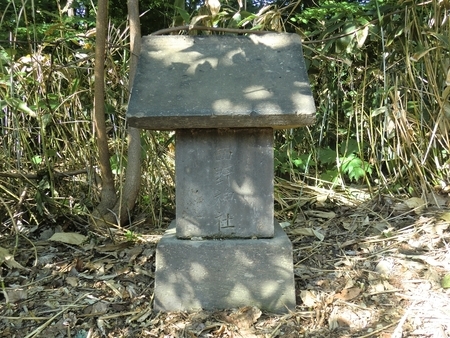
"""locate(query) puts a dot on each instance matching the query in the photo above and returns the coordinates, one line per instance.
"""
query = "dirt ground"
(380, 268)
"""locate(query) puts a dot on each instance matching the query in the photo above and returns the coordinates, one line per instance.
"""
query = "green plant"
(46, 81)
(354, 167)
(131, 236)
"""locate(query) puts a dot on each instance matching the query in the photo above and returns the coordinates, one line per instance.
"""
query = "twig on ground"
(379, 330)
(48, 322)
(399, 329)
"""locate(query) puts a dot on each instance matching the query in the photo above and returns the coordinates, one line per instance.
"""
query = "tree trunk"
(133, 170)
(117, 213)
(108, 194)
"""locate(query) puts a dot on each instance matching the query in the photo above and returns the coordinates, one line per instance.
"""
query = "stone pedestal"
(224, 96)
(224, 183)
(224, 274)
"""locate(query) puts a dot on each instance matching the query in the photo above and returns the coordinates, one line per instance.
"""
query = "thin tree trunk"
(133, 171)
(118, 213)
(108, 194)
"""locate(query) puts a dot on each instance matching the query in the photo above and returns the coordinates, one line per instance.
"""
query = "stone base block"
(224, 274)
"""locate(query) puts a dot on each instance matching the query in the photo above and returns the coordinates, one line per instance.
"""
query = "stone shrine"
(223, 96)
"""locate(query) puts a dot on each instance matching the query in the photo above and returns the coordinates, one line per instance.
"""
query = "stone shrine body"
(223, 96)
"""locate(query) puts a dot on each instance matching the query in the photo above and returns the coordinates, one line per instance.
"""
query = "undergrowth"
(380, 80)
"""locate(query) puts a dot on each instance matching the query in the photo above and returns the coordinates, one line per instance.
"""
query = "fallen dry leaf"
(114, 247)
(8, 259)
(118, 281)
(16, 295)
(384, 268)
(68, 238)
(308, 298)
(320, 214)
(307, 232)
(415, 203)
(445, 216)
(348, 294)
(244, 317)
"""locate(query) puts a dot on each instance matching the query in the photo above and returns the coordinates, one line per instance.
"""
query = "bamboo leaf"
(361, 36)
(420, 54)
(20, 105)
(184, 14)
(198, 18)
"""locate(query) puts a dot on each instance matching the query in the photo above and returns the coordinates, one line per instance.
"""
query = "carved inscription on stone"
(223, 169)
(224, 183)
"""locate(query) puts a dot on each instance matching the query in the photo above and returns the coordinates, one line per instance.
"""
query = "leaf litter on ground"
(362, 269)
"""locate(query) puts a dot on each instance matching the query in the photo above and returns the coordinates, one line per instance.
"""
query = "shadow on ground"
(375, 269)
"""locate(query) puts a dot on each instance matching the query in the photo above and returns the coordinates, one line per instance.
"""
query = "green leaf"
(378, 111)
(4, 56)
(36, 159)
(344, 44)
(297, 162)
(184, 14)
(356, 173)
(354, 167)
(349, 147)
(443, 38)
(361, 36)
(117, 164)
(420, 54)
(46, 120)
(245, 17)
(326, 155)
(445, 283)
(330, 176)
(20, 105)
(51, 152)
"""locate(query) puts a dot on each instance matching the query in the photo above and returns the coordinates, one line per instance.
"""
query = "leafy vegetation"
(378, 69)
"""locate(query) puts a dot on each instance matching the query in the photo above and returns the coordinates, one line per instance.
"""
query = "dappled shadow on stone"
(224, 182)
(228, 273)
(220, 82)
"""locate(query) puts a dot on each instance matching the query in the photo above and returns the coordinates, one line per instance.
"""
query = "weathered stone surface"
(224, 182)
(221, 82)
(223, 274)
